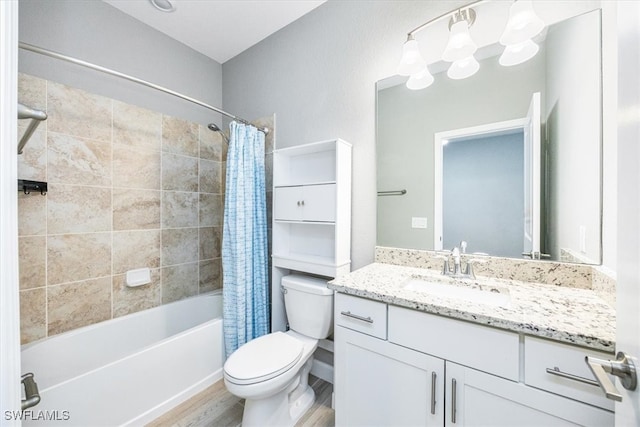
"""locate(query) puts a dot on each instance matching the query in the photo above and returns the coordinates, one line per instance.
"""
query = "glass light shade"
(420, 80)
(518, 53)
(411, 61)
(463, 68)
(523, 23)
(460, 44)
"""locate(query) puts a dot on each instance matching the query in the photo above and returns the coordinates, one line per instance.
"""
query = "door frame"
(10, 386)
(440, 139)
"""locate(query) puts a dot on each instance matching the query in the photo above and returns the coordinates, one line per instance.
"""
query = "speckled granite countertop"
(575, 316)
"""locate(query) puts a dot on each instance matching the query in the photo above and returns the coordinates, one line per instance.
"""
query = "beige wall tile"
(179, 281)
(33, 315)
(179, 173)
(179, 136)
(210, 275)
(210, 144)
(76, 112)
(135, 167)
(130, 300)
(136, 209)
(210, 177)
(78, 209)
(75, 160)
(179, 245)
(32, 255)
(32, 163)
(32, 91)
(73, 305)
(73, 257)
(135, 249)
(32, 214)
(179, 209)
(210, 242)
(136, 127)
(211, 210)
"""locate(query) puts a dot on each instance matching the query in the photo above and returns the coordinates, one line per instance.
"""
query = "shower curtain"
(244, 240)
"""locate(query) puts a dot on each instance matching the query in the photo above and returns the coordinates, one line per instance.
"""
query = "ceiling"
(219, 29)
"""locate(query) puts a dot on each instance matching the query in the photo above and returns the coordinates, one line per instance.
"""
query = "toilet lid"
(263, 358)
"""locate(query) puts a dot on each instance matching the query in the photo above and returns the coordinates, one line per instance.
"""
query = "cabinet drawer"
(480, 347)
(362, 315)
(540, 355)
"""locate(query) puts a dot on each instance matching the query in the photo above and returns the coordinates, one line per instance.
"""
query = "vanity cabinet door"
(377, 383)
(474, 398)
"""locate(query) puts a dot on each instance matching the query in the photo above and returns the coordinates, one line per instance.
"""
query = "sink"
(480, 294)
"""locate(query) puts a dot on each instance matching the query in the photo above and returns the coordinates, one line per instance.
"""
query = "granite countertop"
(570, 315)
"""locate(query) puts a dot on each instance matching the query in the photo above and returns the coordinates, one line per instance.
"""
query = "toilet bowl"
(271, 372)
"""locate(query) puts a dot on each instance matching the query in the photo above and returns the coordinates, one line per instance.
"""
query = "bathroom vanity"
(413, 347)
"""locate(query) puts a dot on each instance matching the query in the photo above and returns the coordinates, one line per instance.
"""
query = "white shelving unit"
(311, 214)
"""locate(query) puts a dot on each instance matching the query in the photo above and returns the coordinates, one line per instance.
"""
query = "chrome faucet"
(457, 264)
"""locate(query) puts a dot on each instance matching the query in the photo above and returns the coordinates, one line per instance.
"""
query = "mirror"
(420, 196)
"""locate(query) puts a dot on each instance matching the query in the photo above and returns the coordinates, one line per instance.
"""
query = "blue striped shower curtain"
(244, 240)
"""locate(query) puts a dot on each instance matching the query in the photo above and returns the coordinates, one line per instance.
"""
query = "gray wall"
(318, 76)
(483, 194)
(96, 32)
(407, 122)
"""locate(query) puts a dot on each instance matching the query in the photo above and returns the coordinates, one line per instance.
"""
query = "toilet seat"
(263, 358)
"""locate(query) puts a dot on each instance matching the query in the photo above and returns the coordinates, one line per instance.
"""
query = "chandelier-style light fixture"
(517, 38)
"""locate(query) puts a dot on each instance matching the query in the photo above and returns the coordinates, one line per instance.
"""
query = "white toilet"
(271, 372)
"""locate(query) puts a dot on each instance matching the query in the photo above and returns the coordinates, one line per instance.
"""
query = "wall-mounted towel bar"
(36, 117)
(392, 193)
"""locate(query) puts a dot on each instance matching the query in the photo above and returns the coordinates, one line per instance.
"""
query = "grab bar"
(30, 391)
(392, 193)
(36, 117)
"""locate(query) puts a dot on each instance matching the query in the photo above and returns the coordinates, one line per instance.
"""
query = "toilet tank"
(309, 305)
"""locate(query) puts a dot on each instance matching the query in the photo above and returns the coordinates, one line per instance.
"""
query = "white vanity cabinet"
(305, 203)
(406, 367)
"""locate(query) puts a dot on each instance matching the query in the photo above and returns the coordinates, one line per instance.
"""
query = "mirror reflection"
(453, 162)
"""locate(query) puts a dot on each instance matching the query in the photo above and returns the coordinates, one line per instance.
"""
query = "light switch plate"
(418, 222)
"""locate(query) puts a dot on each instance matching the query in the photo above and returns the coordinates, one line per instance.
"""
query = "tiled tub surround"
(128, 188)
(568, 314)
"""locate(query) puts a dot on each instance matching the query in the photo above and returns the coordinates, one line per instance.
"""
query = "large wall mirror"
(454, 160)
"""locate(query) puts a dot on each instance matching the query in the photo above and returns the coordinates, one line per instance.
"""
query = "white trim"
(10, 388)
(441, 138)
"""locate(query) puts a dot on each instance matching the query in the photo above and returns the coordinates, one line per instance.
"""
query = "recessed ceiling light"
(163, 5)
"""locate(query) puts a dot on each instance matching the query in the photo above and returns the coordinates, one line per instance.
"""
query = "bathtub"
(128, 370)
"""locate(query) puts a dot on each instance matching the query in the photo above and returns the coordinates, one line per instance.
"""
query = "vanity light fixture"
(163, 5)
(523, 24)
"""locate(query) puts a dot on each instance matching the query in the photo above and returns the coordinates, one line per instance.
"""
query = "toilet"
(271, 372)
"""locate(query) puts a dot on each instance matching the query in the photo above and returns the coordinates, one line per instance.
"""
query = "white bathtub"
(128, 370)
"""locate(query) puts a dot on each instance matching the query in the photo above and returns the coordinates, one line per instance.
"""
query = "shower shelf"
(27, 186)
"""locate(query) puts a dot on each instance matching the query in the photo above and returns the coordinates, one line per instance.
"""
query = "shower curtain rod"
(52, 54)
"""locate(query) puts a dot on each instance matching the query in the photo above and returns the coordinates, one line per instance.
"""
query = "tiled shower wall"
(128, 188)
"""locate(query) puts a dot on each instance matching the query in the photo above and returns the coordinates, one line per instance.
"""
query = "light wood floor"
(215, 406)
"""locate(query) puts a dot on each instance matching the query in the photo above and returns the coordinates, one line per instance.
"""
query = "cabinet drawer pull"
(433, 393)
(355, 316)
(454, 395)
(556, 371)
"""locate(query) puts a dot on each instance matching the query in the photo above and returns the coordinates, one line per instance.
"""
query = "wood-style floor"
(215, 406)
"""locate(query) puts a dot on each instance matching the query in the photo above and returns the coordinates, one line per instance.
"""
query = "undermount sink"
(480, 294)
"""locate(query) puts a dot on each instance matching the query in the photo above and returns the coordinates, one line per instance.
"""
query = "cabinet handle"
(454, 396)
(298, 202)
(355, 316)
(302, 202)
(556, 371)
(433, 393)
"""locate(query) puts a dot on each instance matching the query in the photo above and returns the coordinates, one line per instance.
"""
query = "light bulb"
(523, 23)
(463, 68)
(460, 44)
(420, 80)
(411, 61)
(518, 53)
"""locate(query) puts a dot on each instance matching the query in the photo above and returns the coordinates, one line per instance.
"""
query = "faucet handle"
(463, 246)
(469, 269)
(445, 265)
